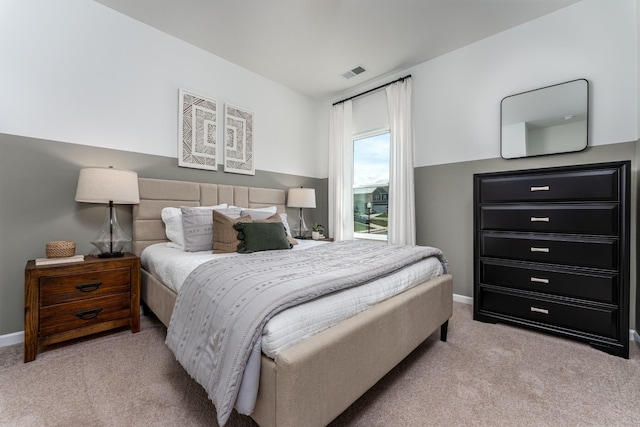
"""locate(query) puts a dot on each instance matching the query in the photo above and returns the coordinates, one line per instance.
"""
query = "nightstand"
(66, 301)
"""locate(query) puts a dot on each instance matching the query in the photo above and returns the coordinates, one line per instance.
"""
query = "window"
(371, 185)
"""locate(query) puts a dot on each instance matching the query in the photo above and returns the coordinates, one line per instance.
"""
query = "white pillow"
(172, 218)
(283, 217)
(270, 209)
(256, 214)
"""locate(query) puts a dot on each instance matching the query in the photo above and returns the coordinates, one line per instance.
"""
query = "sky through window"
(371, 160)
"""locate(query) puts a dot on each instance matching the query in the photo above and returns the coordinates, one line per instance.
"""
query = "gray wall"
(38, 181)
(444, 206)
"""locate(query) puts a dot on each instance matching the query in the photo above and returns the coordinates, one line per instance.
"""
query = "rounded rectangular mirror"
(549, 120)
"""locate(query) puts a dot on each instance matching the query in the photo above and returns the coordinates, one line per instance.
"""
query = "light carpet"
(484, 375)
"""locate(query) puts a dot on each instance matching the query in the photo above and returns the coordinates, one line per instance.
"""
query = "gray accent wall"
(444, 206)
(38, 181)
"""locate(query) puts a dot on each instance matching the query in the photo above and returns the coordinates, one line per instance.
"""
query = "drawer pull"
(539, 280)
(534, 249)
(539, 310)
(89, 314)
(541, 188)
(89, 287)
(539, 219)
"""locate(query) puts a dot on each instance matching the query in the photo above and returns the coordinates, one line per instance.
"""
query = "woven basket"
(60, 249)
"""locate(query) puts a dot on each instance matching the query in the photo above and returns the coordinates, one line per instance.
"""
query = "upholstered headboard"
(156, 194)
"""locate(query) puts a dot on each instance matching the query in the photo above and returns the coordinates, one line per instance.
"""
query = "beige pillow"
(278, 218)
(225, 237)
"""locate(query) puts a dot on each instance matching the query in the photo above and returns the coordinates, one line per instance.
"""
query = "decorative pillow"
(261, 236)
(172, 218)
(197, 227)
(225, 238)
(278, 218)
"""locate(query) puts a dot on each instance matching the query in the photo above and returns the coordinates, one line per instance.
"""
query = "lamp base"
(111, 255)
(300, 228)
(111, 240)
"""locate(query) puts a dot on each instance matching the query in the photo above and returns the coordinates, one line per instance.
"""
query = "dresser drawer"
(75, 287)
(596, 253)
(588, 185)
(589, 319)
(570, 219)
(65, 317)
(601, 287)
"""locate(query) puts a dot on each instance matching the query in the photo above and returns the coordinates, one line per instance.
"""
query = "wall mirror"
(549, 120)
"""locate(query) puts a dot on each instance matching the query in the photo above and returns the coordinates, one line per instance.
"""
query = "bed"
(313, 381)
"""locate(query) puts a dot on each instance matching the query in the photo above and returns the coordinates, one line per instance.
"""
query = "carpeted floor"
(484, 375)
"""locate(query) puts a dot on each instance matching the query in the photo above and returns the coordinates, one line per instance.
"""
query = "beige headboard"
(156, 194)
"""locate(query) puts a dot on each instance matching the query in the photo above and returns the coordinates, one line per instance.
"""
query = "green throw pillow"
(261, 236)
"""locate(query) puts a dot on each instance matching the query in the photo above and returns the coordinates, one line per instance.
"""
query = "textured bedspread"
(222, 307)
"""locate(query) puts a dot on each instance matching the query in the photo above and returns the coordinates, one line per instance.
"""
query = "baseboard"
(634, 334)
(463, 299)
(11, 339)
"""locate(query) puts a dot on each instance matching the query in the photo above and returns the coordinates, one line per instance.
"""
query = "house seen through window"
(371, 186)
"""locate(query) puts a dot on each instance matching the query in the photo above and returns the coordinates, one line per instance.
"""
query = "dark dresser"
(551, 251)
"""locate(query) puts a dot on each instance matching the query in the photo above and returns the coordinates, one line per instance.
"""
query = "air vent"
(354, 72)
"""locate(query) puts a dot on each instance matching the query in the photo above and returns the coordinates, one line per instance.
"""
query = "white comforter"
(293, 325)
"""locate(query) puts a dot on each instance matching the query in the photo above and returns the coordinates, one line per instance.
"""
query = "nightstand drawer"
(596, 253)
(65, 317)
(600, 286)
(594, 320)
(75, 287)
(601, 219)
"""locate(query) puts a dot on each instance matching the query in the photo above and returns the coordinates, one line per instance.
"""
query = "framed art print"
(238, 141)
(197, 132)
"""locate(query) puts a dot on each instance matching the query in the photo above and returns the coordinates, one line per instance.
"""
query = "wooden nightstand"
(66, 301)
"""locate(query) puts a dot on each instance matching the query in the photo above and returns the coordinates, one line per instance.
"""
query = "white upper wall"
(456, 97)
(78, 72)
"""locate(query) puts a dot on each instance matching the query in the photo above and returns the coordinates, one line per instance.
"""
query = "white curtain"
(402, 216)
(341, 172)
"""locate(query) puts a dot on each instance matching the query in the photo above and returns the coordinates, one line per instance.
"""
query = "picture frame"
(197, 131)
(239, 148)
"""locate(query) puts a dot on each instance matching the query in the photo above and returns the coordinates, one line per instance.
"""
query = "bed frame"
(313, 381)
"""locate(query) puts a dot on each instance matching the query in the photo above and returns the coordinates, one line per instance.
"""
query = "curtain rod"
(374, 89)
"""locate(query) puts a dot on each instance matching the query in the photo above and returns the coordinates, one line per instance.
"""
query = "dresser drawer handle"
(539, 219)
(534, 249)
(89, 314)
(539, 310)
(89, 287)
(541, 188)
(539, 280)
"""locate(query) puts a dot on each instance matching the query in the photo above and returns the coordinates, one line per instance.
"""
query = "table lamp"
(112, 186)
(301, 198)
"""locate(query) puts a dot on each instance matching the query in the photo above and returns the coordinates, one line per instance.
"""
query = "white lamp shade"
(302, 198)
(104, 185)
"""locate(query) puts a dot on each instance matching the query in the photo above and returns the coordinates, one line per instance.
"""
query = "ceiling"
(308, 44)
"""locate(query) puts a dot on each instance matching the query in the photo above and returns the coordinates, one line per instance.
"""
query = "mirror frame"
(528, 95)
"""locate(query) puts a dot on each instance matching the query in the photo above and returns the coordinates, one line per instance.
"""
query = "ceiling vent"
(354, 72)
